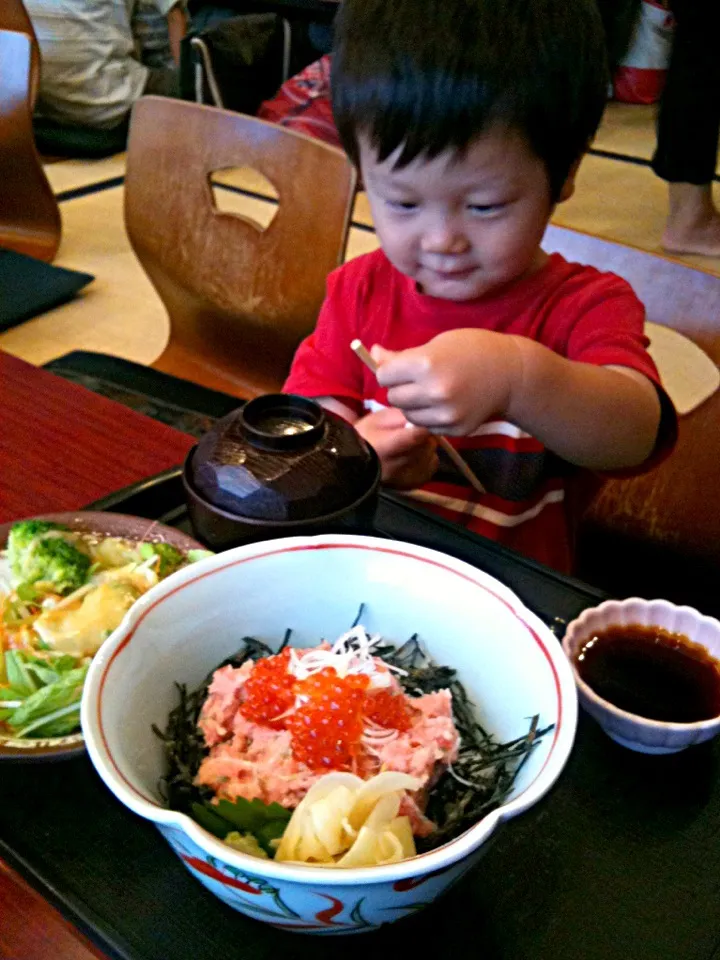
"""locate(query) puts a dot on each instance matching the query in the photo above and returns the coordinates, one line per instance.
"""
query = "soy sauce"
(652, 673)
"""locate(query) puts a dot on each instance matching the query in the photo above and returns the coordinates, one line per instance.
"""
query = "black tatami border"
(90, 188)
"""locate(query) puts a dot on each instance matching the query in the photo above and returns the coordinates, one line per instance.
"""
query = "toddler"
(468, 120)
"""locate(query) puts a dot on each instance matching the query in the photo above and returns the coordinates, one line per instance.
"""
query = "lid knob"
(281, 422)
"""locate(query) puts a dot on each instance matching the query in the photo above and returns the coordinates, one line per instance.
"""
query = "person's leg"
(688, 128)
(693, 221)
(619, 18)
(163, 82)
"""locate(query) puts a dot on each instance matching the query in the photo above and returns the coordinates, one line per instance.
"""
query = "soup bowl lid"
(282, 458)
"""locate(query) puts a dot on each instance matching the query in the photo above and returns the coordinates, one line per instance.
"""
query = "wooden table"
(61, 447)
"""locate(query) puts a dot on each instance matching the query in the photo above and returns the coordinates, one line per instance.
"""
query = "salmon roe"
(327, 727)
(331, 711)
(269, 690)
(388, 709)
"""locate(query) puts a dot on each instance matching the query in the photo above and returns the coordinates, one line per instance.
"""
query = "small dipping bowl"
(281, 465)
(629, 729)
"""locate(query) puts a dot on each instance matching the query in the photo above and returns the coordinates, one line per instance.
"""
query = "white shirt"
(89, 74)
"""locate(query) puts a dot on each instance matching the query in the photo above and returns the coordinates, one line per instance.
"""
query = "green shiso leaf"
(266, 822)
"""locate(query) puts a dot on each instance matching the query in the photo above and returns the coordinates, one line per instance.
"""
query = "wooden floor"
(120, 313)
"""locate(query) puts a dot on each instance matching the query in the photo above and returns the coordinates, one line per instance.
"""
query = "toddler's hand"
(455, 382)
(408, 454)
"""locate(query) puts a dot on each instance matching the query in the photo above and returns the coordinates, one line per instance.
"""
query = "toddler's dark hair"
(432, 75)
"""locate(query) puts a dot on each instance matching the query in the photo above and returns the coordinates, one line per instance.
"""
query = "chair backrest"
(29, 214)
(674, 295)
(659, 531)
(239, 298)
(14, 16)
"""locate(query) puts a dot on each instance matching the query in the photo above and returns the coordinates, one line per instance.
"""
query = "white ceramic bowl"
(629, 729)
(511, 664)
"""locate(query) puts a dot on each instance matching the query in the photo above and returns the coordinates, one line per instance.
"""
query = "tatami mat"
(624, 202)
(72, 174)
(121, 314)
(118, 313)
(628, 129)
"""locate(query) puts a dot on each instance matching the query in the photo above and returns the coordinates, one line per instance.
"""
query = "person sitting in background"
(688, 128)
(303, 104)
(468, 120)
(155, 47)
(90, 71)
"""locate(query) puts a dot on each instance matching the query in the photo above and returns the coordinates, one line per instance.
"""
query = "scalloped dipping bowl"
(628, 729)
(510, 663)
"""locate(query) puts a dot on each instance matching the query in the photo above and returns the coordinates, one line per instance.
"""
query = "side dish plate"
(108, 525)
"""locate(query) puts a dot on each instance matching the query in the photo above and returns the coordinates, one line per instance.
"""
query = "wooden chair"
(29, 213)
(659, 534)
(239, 298)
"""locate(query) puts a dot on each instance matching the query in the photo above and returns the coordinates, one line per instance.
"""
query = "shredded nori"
(478, 781)
(483, 774)
(184, 742)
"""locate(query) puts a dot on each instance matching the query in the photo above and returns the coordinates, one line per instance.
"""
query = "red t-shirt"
(575, 310)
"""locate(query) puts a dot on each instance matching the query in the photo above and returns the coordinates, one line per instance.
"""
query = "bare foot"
(693, 223)
(699, 238)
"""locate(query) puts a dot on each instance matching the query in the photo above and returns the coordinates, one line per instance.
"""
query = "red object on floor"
(640, 77)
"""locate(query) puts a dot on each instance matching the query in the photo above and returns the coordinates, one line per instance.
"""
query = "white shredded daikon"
(351, 655)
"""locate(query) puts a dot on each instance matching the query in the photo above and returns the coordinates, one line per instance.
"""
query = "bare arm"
(177, 28)
(597, 417)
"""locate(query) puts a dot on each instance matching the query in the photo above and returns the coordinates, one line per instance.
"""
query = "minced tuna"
(260, 760)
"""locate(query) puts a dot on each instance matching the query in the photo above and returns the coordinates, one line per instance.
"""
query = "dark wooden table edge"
(85, 920)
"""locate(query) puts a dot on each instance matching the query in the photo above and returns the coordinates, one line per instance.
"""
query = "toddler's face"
(461, 226)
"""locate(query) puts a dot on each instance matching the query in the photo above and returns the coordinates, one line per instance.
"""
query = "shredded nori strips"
(184, 742)
(483, 773)
(477, 782)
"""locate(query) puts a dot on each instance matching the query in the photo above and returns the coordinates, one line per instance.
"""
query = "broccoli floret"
(62, 564)
(36, 553)
(170, 557)
(23, 534)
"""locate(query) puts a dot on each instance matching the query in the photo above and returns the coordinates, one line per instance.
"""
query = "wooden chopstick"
(359, 348)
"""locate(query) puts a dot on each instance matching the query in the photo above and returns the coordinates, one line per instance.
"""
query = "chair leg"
(287, 40)
(201, 47)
